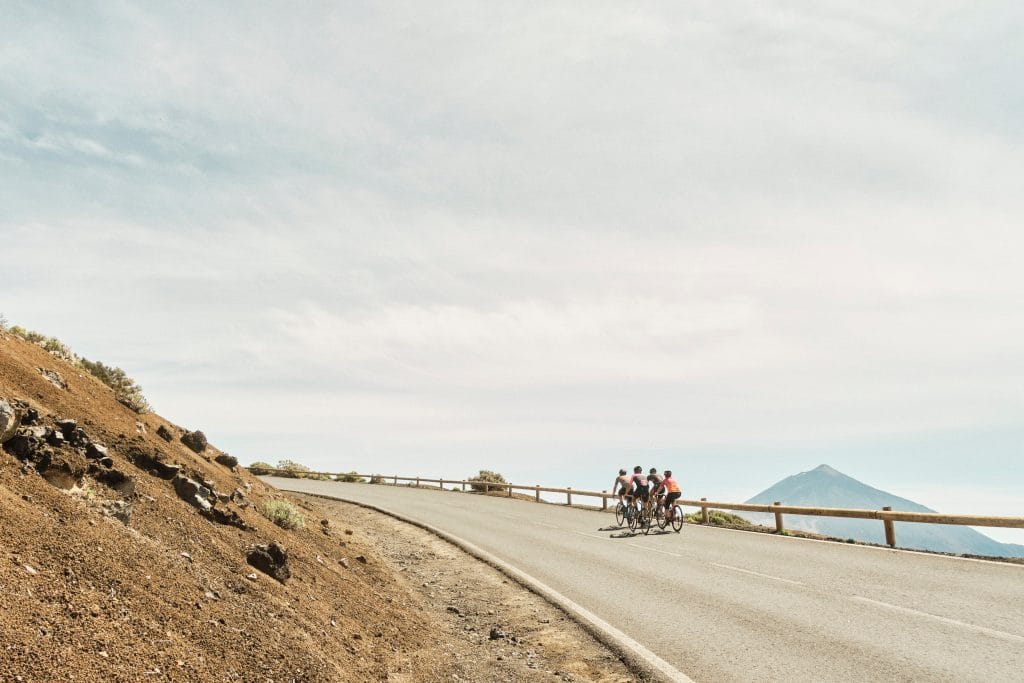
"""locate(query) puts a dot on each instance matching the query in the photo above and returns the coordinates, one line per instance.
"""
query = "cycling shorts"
(671, 498)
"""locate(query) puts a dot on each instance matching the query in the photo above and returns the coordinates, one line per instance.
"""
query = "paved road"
(725, 605)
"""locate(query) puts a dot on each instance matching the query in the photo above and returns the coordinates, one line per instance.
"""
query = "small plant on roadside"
(376, 478)
(260, 468)
(486, 476)
(291, 469)
(283, 514)
(350, 477)
(718, 518)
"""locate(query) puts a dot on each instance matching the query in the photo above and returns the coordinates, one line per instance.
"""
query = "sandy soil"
(489, 628)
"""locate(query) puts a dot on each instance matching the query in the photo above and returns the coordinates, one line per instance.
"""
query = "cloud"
(524, 229)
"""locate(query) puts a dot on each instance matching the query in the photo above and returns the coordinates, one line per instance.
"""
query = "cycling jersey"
(640, 486)
(670, 485)
(655, 480)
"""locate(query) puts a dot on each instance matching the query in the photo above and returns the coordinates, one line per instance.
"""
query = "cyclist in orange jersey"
(671, 488)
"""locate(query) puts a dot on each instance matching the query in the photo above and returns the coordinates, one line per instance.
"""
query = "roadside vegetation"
(126, 390)
(485, 476)
(718, 518)
(283, 514)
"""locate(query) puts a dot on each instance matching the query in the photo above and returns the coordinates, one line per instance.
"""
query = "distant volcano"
(826, 487)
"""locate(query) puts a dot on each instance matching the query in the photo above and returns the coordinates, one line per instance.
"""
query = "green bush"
(718, 518)
(376, 478)
(126, 391)
(486, 475)
(260, 468)
(291, 469)
(283, 514)
(350, 477)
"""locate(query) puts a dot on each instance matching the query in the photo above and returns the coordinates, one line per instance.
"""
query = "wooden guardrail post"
(396, 480)
(510, 490)
(417, 482)
(568, 496)
(778, 519)
(440, 483)
(536, 492)
(890, 530)
(705, 517)
(463, 485)
(604, 500)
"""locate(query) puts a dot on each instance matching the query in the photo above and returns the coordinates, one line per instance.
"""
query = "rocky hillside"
(131, 550)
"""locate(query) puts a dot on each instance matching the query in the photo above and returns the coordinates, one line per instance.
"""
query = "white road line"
(655, 550)
(753, 573)
(1003, 635)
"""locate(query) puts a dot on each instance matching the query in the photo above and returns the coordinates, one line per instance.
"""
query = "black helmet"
(668, 473)
(638, 469)
(622, 472)
(654, 470)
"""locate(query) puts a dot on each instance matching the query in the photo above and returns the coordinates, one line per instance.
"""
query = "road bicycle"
(621, 513)
(677, 517)
(641, 517)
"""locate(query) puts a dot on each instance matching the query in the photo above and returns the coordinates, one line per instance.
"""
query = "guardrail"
(886, 515)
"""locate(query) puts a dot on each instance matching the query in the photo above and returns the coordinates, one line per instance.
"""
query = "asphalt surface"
(723, 605)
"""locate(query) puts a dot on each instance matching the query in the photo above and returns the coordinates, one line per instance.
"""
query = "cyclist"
(621, 486)
(671, 489)
(655, 480)
(641, 487)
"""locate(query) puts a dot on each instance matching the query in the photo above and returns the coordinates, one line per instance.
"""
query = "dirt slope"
(116, 577)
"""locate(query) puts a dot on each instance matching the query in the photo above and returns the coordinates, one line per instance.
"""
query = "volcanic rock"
(63, 471)
(271, 559)
(22, 446)
(66, 426)
(192, 492)
(164, 433)
(8, 421)
(115, 479)
(227, 460)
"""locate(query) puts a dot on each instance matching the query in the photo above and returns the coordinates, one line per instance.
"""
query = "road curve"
(725, 605)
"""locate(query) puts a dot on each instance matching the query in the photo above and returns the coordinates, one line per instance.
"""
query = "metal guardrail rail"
(886, 515)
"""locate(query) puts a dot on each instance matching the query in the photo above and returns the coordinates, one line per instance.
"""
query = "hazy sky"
(735, 239)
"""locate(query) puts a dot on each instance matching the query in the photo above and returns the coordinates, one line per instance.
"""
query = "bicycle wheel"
(620, 513)
(659, 517)
(645, 520)
(633, 516)
(677, 518)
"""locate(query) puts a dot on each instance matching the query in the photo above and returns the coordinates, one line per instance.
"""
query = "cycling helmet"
(622, 472)
(668, 473)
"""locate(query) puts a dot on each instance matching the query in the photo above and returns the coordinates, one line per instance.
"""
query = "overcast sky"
(550, 239)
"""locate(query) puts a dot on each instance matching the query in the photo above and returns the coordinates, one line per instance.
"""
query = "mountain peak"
(826, 469)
